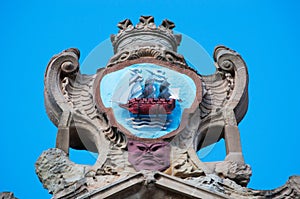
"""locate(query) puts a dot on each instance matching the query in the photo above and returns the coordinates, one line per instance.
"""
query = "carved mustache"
(149, 157)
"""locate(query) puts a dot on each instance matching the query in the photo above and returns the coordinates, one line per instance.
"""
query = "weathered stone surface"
(74, 104)
(182, 166)
(290, 190)
(238, 172)
(65, 179)
(7, 195)
(228, 187)
(57, 172)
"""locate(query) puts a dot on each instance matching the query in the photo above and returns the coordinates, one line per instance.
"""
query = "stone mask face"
(149, 156)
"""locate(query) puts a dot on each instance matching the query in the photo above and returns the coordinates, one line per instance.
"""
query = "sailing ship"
(151, 99)
(149, 106)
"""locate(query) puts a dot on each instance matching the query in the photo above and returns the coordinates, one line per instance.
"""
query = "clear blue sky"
(265, 33)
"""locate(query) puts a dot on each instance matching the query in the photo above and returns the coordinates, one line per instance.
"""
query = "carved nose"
(148, 151)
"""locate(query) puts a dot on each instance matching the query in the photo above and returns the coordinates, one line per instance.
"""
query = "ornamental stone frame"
(74, 104)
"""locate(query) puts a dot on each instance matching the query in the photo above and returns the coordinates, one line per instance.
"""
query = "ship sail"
(174, 93)
(151, 98)
(149, 90)
(134, 90)
(164, 90)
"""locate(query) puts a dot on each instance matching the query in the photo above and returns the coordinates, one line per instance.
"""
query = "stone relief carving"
(86, 119)
(7, 195)
(149, 51)
(57, 172)
(235, 171)
(149, 156)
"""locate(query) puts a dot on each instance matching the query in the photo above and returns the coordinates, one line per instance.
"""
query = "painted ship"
(150, 106)
(151, 99)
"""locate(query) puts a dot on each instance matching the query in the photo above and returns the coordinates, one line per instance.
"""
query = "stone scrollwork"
(224, 103)
(131, 164)
(70, 104)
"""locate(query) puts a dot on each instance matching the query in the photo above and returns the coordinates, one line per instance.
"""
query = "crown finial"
(168, 24)
(146, 21)
(125, 24)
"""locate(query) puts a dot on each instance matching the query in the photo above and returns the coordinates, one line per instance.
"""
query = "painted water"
(149, 82)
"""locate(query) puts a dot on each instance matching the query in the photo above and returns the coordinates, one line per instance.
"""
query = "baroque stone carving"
(155, 52)
(236, 171)
(146, 114)
(57, 172)
(7, 195)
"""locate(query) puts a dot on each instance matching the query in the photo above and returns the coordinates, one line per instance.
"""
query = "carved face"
(149, 156)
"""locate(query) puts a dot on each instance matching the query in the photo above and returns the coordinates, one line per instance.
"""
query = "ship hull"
(149, 106)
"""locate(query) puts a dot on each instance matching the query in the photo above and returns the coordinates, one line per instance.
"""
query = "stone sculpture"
(146, 114)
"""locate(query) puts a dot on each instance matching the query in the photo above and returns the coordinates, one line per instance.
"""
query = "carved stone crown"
(145, 33)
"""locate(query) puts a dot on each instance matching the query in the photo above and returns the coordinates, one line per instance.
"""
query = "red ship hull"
(150, 106)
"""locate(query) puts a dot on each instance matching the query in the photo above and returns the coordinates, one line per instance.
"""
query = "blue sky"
(265, 33)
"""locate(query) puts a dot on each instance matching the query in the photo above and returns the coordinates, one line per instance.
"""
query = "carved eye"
(155, 148)
(141, 148)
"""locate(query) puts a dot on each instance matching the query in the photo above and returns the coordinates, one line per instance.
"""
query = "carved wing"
(70, 104)
(225, 95)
